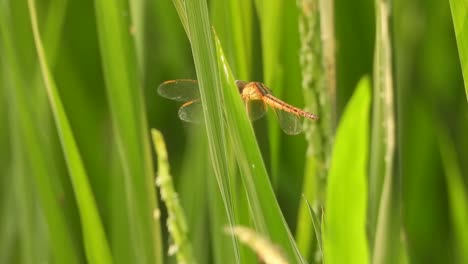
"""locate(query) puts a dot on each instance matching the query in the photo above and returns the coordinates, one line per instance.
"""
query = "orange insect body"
(187, 91)
(258, 91)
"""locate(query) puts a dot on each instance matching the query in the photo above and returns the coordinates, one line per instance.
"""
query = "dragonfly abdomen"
(275, 102)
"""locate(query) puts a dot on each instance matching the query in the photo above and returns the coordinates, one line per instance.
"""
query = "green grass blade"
(180, 8)
(222, 245)
(23, 197)
(20, 192)
(193, 189)
(305, 228)
(204, 55)
(345, 239)
(237, 130)
(126, 102)
(9, 225)
(96, 247)
(268, 12)
(137, 29)
(457, 195)
(235, 33)
(264, 209)
(460, 23)
(43, 174)
(317, 227)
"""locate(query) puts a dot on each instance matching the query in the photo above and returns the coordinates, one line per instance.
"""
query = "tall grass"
(379, 178)
(96, 247)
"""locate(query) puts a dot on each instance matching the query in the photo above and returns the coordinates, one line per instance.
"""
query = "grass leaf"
(32, 172)
(97, 249)
(460, 23)
(264, 208)
(125, 96)
(204, 55)
(345, 239)
(457, 195)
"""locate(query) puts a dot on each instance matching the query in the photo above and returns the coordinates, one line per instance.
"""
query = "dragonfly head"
(240, 85)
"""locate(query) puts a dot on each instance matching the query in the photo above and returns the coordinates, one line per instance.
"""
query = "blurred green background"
(39, 200)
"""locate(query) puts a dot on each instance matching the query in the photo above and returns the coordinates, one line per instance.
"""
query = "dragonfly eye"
(240, 85)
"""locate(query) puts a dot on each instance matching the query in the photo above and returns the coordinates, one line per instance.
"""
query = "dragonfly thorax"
(251, 92)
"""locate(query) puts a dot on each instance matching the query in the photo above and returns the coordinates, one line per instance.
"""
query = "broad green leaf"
(345, 239)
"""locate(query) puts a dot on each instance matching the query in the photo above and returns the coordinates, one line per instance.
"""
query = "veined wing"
(255, 109)
(289, 116)
(289, 122)
(191, 111)
(182, 90)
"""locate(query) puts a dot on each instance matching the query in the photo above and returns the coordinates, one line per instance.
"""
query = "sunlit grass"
(79, 175)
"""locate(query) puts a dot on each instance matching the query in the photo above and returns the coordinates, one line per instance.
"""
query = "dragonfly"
(256, 97)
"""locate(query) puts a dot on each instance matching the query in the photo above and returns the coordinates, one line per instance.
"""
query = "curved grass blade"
(317, 227)
(129, 125)
(228, 125)
(41, 175)
(233, 20)
(96, 247)
(268, 11)
(345, 239)
(195, 18)
(264, 209)
(460, 23)
(457, 195)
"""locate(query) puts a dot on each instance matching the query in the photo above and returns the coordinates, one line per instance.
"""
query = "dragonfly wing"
(290, 123)
(191, 111)
(179, 90)
(255, 109)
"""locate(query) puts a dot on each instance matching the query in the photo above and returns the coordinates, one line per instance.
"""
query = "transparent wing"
(191, 111)
(255, 109)
(179, 90)
(290, 123)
